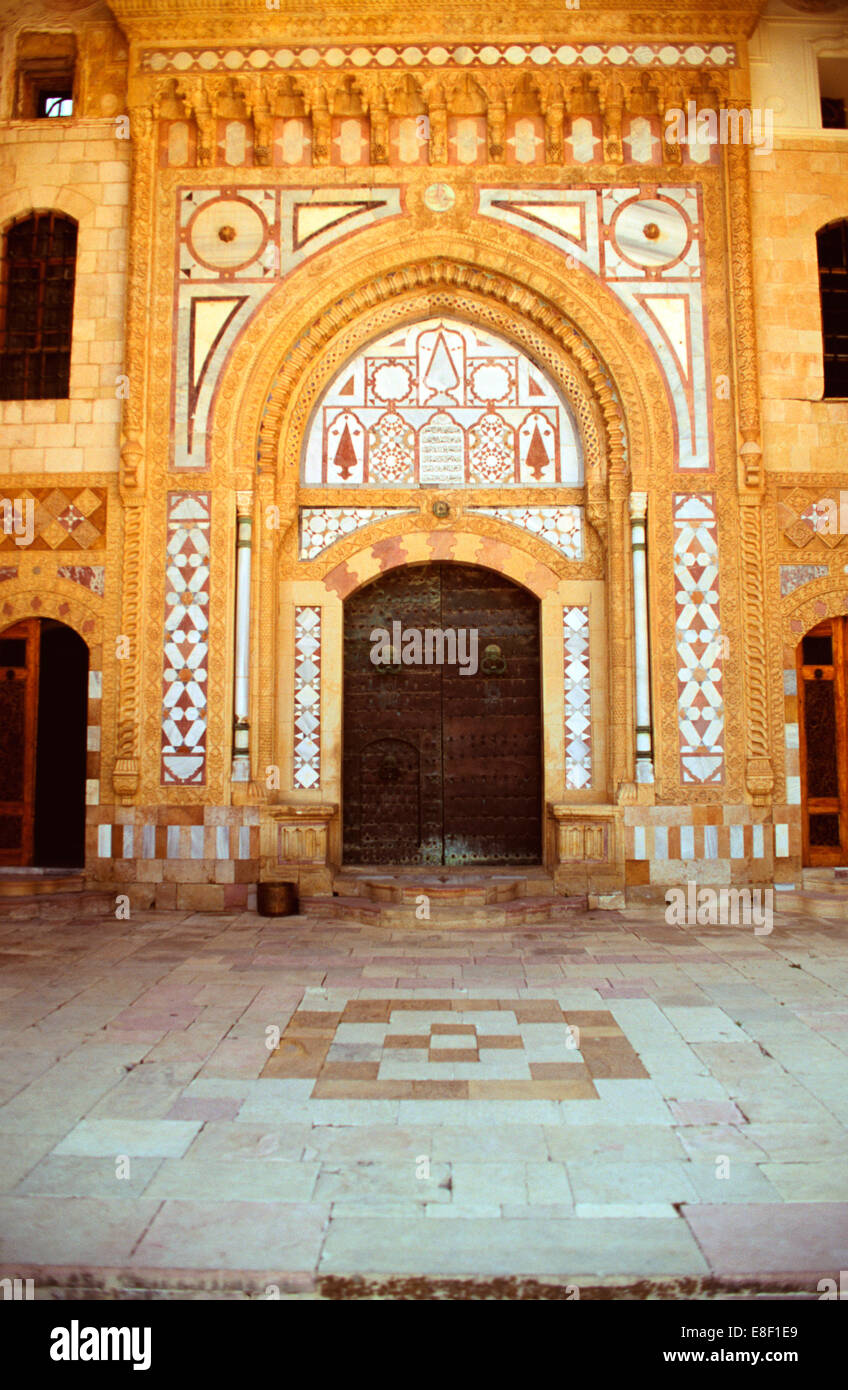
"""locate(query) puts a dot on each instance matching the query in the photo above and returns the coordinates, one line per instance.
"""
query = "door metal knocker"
(494, 661)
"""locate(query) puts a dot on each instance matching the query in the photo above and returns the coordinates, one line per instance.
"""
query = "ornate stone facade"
(442, 295)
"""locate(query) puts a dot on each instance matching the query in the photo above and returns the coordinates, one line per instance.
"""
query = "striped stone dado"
(200, 857)
(93, 729)
(709, 839)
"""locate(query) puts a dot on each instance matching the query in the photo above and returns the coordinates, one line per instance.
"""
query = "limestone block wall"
(81, 168)
(796, 189)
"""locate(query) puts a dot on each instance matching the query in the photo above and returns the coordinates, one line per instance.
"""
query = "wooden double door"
(43, 718)
(442, 762)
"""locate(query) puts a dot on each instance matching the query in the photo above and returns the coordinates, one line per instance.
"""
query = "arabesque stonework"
(261, 198)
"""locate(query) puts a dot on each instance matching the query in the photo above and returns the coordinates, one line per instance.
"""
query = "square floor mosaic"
(454, 1049)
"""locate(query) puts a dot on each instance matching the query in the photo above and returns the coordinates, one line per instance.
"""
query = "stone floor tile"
(810, 1182)
(167, 1138)
(223, 1140)
(71, 1230)
(284, 1236)
(501, 1247)
(233, 1180)
(770, 1239)
(601, 1181)
(61, 1175)
(488, 1183)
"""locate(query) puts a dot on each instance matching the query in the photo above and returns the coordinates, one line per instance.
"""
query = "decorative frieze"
(458, 57)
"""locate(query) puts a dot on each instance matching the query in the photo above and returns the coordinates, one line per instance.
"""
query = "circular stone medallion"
(226, 234)
(439, 197)
(650, 232)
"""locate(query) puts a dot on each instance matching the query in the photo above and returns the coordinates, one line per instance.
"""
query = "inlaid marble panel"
(561, 527)
(442, 403)
(321, 527)
(186, 641)
(699, 645)
(307, 697)
(234, 247)
(577, 697)
(646, 244)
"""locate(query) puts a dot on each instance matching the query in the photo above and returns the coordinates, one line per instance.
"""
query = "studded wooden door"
(442, 735)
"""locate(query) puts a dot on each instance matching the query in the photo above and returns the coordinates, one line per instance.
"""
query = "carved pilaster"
(759, 775)
(132, 476)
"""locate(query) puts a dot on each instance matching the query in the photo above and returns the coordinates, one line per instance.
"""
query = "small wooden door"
(19, 661)
(823, 742)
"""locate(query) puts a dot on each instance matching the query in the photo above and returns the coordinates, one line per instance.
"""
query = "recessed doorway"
(442, 762)
(43, 719)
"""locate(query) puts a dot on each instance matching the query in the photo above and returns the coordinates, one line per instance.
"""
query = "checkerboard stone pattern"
(454, 1049)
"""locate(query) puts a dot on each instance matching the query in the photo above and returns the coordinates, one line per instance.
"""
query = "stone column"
(638, 545)
(241, 684)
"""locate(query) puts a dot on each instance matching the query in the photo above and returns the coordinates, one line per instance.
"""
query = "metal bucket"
(276, 899)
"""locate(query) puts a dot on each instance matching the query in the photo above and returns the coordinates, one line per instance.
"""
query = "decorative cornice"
(443, 21)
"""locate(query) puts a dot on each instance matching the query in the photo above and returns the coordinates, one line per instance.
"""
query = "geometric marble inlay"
(66, 518)
(698, 632)
(561, 527)
(186, 639)
(577, 698)
(321, 527)
(453, 1049)
(440, 403)
(646, 244)
(232, 250)
(307, 696)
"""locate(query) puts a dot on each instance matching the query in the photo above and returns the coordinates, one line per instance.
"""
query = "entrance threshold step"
(36, 882)
(445, 916)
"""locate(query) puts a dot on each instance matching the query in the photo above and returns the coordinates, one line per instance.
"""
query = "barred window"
(36, 307)
(833, 283)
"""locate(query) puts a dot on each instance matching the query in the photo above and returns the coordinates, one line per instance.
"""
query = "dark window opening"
(833, 113)
(53, 103)
(833, 91)
(45, 72)
(36, 304)
(833, 284)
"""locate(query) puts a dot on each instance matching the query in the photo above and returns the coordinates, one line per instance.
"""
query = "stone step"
(35, 882)
(812, 902)
(444, 916)
(57, 906)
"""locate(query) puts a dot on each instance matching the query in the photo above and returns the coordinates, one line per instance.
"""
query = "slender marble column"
(241, 688)
(644, 735)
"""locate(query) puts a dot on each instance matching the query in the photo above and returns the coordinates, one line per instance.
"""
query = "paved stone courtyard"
(216, 1104)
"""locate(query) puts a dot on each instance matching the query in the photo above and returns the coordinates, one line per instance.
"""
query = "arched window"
(833, 284)
(36, 307)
